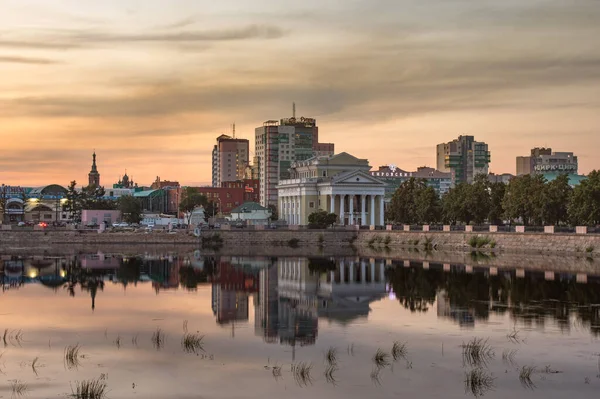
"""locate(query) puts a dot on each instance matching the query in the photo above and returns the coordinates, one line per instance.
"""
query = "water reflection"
(290, 294)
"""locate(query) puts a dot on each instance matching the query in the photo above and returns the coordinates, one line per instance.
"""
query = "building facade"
(394, 177)
(230, 157)
(339, 184)
(278, 145)
(232, 194)
(544, 160)
(464, 158)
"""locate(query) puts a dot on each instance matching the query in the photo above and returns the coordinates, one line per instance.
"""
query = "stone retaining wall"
(379, 239)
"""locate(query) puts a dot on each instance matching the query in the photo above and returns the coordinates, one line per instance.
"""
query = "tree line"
(527, 199)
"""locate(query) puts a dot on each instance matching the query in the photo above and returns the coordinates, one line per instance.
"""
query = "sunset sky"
(150, 84)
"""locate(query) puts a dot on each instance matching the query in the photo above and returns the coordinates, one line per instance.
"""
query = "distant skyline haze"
(150, 85)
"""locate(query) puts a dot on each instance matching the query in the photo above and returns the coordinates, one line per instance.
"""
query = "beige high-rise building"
(464, 158)
(230, 157)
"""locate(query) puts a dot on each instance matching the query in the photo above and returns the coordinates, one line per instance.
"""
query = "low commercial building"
(251, 213)
(339, 184)
(544, 160)
(231, 194)
(97, 217)
(394, 177)
(153, 201)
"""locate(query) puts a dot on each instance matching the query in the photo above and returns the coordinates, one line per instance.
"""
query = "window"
(47, 216)
(319, 202)
(229, 205)
(311, 204)
(228, 195)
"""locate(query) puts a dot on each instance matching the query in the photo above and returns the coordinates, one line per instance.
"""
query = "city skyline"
(149, 88)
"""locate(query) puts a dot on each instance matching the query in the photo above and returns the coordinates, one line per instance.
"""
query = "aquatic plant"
(399, 351)
(185, 326)
(276, 371)
(72, 356)
(508, 356)
(477, 352)
(34, 365)
(375, 376)
(331, 356)
(134, 339)
(350, 349)
(525, 377)
(549, 370)
(330, 374)
(478, 382)
(158, 339)
(118, 342)
(18, 387)
(381, 359)
(301, 372)
(513, 336)
(89, 389)
(192, 343)
(4, 336)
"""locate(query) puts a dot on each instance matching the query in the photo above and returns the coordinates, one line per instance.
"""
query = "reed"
(477, 352)
(19, 388)
(158, 339)
(525, 377)
(277, 372)
(508, 356)
(301, 372)
(34, 365)
(72, 356)
(331, 356)
(381, 359)
(399, 351)
(376, 376)
(478, 382)
(192, 343)
(330, 374)
(89, 389)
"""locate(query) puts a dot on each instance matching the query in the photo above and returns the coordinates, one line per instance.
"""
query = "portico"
(338, 184)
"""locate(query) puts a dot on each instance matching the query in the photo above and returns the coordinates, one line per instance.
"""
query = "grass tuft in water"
(331, 356)
(118, 342)
(89, 389)
(158, 339)
(34, 365)
(301, 372)
(277, 372)
(381, 359)
(399, 351)
(4, 336)
(330, 374)
(477, 353)
(478, 382)
(351, 349)
(19, 388)
(185, 326)
(376, 376)
(525, 377)
(192, 343)
(514, 337)
(72, 356)
(508, 356)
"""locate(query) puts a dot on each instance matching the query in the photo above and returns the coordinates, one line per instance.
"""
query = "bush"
(479, 242)
(321, 239)
(589, 249)
(387, 240)
(293, 242)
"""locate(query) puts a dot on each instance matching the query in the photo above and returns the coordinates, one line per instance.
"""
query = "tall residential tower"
(230, 158)
(278, 144)
(464, 158)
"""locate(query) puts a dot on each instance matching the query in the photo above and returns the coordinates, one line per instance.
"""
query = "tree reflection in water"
(531, 300)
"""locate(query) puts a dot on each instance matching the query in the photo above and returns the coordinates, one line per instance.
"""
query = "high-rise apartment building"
(278, 144)
(230, 157)
(464, 158)
(544, 161)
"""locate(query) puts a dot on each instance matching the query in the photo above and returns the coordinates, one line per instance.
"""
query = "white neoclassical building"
(339, 184)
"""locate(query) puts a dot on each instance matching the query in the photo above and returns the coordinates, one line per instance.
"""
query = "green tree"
(557, 195)
(455, 205)
(190, 200)
(496, 214)
(131, 209)
(322, 219)
(524, 199)
(92, 198)
(3, 201)
(212, 208)
(413, 202)
(478, 198)
(274, 213)
(584, 207)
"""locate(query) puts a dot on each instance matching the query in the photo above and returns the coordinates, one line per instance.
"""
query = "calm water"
(259, 314)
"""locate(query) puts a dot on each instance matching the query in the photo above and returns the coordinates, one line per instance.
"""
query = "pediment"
(358, 178)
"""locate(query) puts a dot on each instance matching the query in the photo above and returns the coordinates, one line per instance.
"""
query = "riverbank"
(327, 240)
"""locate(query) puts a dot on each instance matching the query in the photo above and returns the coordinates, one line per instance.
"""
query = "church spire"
(94, 176)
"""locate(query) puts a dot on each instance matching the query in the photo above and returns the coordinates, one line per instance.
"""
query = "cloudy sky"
(149, 84)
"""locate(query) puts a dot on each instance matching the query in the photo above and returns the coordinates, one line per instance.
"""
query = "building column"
(351, 274)
(332, 205)
(381, 211)
(342, 200)
(372, 210)
(342, 271)
(363, 272)
(351, 214)
(363, 217)
(382, 272)
(372, 268)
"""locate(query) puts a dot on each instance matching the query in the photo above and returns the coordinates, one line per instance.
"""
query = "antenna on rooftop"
(294, 110)
(233, 129)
